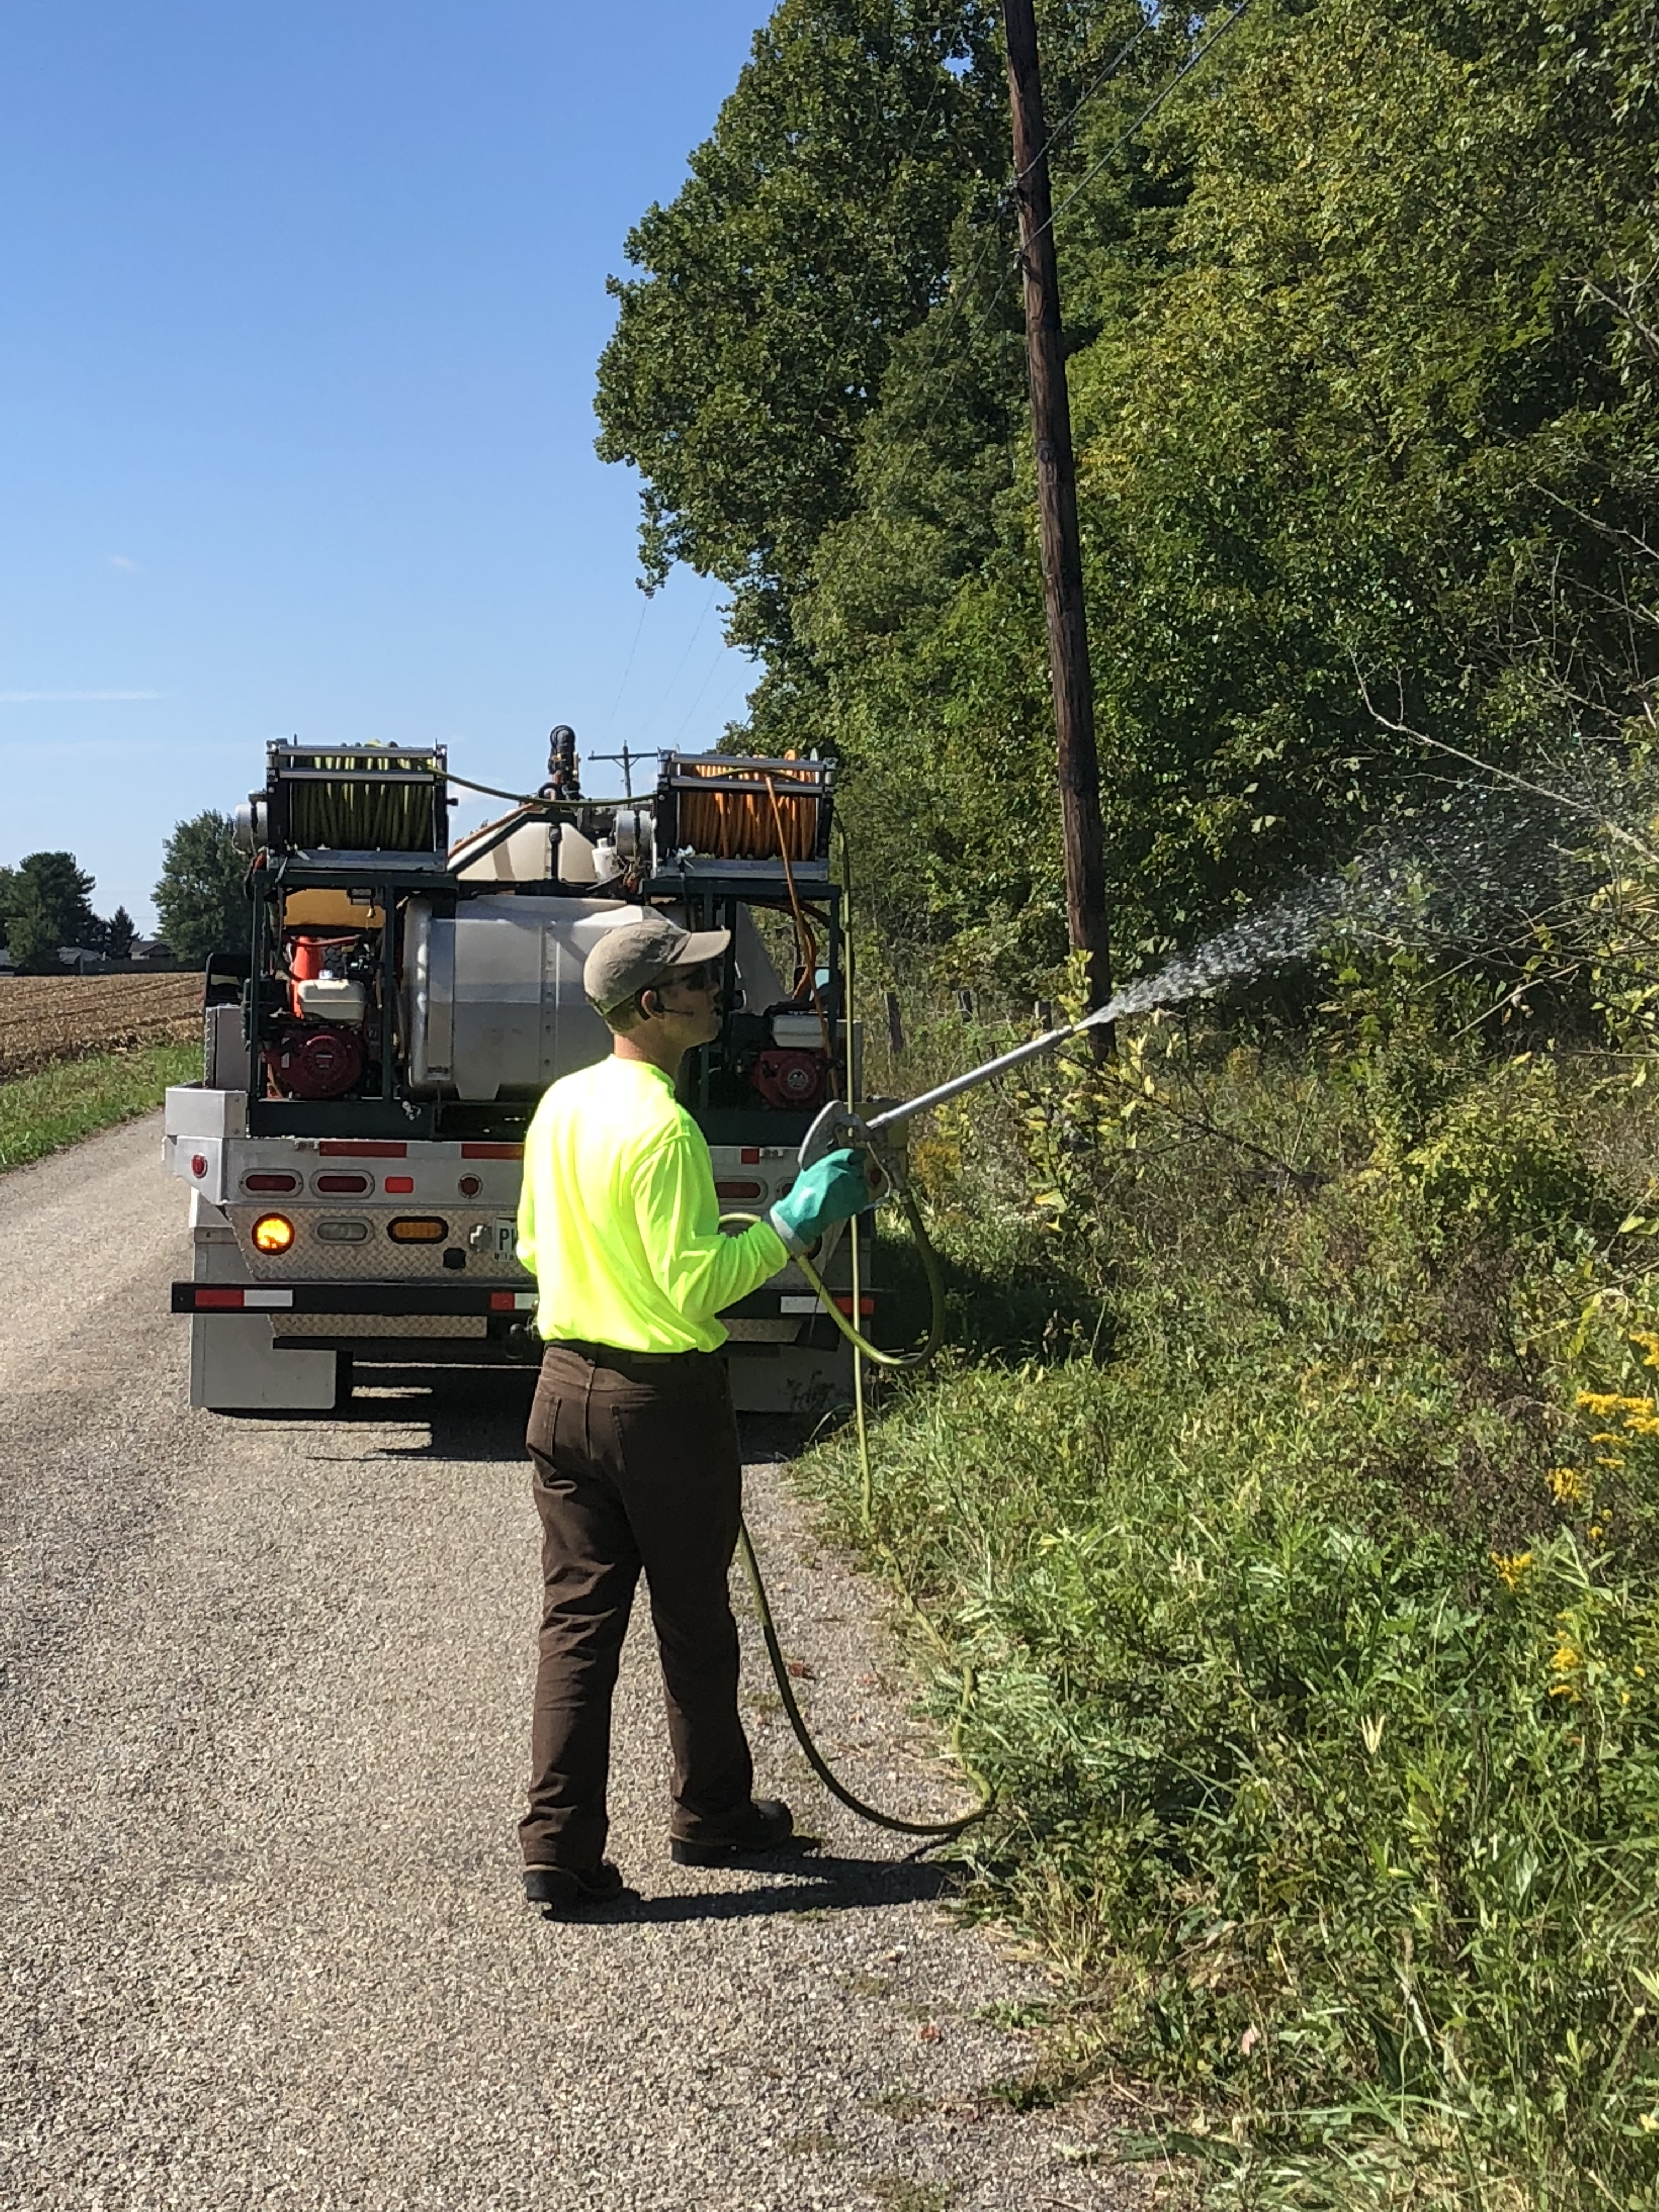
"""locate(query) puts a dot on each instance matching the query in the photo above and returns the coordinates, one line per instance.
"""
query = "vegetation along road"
(266, 1690)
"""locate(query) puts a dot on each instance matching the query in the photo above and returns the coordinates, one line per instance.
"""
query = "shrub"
(1314, 1616)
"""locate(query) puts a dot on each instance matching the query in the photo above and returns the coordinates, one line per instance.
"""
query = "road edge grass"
(75, 1098)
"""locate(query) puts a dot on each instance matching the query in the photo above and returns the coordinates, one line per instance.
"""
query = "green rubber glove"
(832, 1189)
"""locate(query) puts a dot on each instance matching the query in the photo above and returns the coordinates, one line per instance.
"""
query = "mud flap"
(790, 1378)
(235, 1368)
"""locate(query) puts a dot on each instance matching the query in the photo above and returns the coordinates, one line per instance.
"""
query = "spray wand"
(838, 1126)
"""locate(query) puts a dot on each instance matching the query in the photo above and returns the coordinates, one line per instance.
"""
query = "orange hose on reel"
(748, 825)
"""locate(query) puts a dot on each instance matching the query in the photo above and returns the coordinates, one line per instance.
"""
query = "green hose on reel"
(347, 809)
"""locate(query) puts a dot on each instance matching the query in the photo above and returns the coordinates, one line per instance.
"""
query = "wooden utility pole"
(1062, 562)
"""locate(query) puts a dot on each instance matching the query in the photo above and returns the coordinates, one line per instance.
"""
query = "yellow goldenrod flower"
(1566, 1485)
(1565, 1662)
(1512, 1566)
(1602, 1403)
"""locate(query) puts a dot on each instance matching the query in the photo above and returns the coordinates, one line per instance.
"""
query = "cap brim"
(700, 945)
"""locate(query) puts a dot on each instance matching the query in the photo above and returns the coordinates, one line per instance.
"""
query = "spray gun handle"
(838, 1129)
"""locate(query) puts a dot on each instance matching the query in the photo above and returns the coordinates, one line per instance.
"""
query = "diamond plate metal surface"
(366, 1325)
(378, 1258)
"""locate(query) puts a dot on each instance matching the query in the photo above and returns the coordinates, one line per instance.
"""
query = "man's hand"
(832, 1189)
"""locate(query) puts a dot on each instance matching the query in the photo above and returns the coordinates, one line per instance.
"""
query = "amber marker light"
(272, 1232)
(417, 1228)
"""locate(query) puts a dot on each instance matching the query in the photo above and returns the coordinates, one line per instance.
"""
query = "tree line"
(1363, 349)
(46, 902)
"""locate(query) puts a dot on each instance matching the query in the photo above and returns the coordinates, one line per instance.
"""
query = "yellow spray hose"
(863, 1350)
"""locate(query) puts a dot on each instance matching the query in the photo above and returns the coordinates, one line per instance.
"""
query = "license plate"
(507, 1236)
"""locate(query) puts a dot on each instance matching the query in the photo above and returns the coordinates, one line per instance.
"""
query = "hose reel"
(744, 809)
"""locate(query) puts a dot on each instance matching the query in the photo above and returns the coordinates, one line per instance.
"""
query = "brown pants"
(637, 1465)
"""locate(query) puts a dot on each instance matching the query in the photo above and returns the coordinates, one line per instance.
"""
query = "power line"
(1095, 89)
(1146, 113)
(1005, 198)
(628, 665)
(696, 702)
(707, 604)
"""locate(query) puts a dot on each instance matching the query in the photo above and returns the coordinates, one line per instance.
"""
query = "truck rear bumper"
(475, 1300)
(300, 1357)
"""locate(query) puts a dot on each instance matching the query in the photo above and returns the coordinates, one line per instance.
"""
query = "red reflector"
(360, 1148)
(399, 1185)
(492, 1151)
(469, 1185)
(502, 1302)
(207, 1295)
(749, 1156)
(866, 1306)
(270, 1182)
(739, 1190)
(343, 1182)
(198, 1164)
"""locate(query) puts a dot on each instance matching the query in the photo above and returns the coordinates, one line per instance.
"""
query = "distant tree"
(8, 885)
(199, 897)
(47, 902)
(119, 933)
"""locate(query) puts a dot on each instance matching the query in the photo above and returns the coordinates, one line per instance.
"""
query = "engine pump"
(320, 1049)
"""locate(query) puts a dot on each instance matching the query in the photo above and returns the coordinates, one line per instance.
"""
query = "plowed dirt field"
(47, 1018)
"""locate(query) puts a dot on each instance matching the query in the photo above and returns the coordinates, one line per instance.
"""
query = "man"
(632, 1433)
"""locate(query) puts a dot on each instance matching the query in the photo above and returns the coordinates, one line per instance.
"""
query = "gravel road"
(264, 1692)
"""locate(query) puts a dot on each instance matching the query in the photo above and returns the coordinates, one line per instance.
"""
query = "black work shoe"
(768, 1828)
(566, 1889)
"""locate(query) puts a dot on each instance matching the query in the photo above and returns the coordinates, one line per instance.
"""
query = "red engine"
(791, 1079)
(311, 1060)
(310, 955)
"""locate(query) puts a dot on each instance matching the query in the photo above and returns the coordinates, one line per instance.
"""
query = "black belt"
(612, 1355)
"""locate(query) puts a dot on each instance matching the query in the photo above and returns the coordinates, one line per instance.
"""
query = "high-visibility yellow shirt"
(619, 1220)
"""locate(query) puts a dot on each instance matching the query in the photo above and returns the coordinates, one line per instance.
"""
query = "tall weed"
(1311, 1592)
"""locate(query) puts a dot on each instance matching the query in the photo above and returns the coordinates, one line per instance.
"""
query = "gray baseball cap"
(640, 953)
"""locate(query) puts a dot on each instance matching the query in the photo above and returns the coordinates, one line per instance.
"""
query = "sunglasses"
(705, 976)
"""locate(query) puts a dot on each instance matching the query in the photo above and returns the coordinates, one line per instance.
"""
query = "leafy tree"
(814, 227)
(1362, 373)
(199, 899)
(46, 901)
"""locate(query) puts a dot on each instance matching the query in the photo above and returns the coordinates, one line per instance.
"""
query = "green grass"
(1315, 1615)
(59, 1106)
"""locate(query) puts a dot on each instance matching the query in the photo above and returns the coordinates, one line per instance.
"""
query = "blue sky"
(299, 308)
